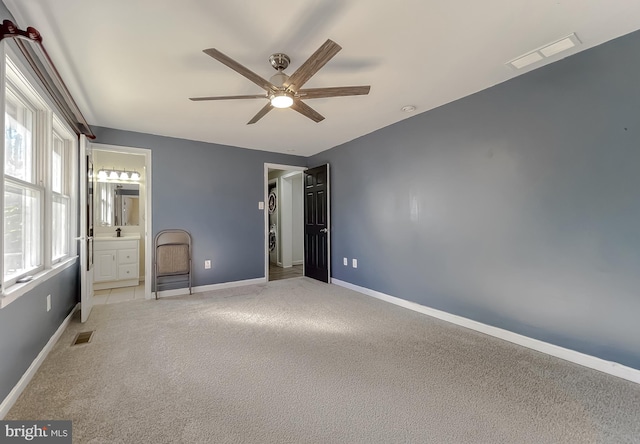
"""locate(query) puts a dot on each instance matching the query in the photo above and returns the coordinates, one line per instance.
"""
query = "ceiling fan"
(283, 91)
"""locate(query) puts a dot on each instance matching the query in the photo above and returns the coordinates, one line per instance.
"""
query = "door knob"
(324, 230)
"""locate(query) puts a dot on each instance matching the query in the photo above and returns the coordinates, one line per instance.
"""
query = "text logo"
(35, 432)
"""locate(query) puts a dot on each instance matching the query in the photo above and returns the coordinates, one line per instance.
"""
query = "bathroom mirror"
(117, 204)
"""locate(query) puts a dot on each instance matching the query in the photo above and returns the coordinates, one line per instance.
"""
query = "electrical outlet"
(48, 302)
(345, 261)
(207, 264)
(260, 205)
(355, 263)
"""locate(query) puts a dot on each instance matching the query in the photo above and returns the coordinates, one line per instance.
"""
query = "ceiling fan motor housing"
(279, 61)
(279, 79)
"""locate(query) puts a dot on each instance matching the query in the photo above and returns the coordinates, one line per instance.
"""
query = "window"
(22, 197)
(61, 201)
(39, 218)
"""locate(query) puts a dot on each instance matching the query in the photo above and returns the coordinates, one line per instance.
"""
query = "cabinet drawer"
(128, 271)
(128, 256)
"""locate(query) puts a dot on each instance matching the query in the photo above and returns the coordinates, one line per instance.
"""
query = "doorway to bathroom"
(121, 209)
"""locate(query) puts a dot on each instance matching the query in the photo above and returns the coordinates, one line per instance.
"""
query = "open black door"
(316, 223)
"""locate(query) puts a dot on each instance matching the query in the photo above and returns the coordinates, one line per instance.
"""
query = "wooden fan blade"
(306, 110)
(254, 96)
(317, 60)
(338, 91)
(237, 67)
(268, 107)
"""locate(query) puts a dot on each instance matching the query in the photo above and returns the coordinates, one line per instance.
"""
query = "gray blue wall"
(212, 191)
(26, 326)
(518, 206)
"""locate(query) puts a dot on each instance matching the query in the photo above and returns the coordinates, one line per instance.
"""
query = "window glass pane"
(57, 164)
(19, 152)
(106, 212)
(21, 230)
(59, 228)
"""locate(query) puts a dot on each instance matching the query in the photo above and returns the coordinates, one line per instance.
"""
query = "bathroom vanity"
(116, 262)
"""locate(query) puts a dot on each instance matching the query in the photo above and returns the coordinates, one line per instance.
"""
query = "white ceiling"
(132, 64)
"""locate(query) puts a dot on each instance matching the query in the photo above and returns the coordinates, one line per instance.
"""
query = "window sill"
(17, 290)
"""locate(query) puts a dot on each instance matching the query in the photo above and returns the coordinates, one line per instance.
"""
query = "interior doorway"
(284, 222)
(121, 212)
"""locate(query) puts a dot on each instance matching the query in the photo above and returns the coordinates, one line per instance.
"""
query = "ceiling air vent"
(542, 53)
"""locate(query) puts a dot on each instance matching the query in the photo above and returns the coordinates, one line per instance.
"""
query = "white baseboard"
(13, 395)
(612, 368)
(300, 262)
(203, 288)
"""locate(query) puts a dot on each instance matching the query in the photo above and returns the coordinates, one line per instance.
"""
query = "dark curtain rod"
(46, 71)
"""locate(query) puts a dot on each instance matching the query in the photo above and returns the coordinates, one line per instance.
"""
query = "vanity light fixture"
(117, 175)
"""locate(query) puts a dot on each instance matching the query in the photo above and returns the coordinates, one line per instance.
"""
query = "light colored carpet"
(297, 361)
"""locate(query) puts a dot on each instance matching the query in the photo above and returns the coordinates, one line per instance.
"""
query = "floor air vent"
(83, 338)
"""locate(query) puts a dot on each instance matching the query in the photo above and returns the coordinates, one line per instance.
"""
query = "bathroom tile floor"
(115, 295)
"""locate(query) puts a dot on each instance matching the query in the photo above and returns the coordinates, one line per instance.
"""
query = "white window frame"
(15, 75)
(28, 97)
(66, 193)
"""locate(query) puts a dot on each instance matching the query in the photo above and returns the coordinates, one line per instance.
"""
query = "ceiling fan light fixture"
(281, 100)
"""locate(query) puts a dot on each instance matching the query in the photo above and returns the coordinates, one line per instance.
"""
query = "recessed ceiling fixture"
(549, 50)
(408, 108)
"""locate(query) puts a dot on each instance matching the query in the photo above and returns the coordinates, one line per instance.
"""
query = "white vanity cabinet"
(115, 262)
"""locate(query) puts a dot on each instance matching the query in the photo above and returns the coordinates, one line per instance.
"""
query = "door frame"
(267, 167)
(148, 238)
(286, 222)
(86, 238)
